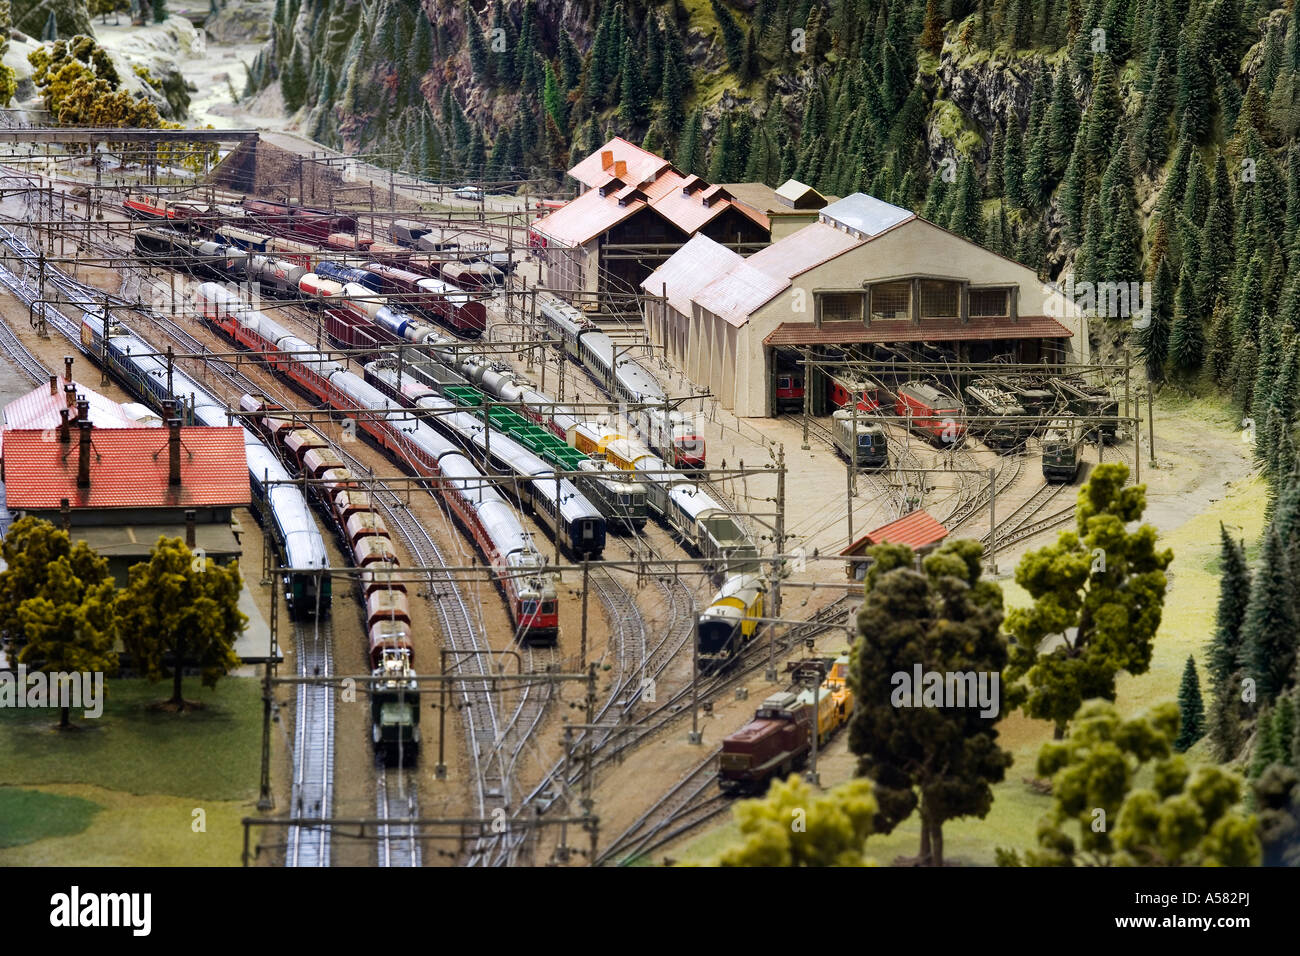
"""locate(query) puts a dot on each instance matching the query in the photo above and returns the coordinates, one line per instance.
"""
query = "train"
(788, 392)
(688, 511)
(987, 400)
(519, 570)
(287, 269)
(1061, 450)
(779, 737)
(395, 699)
(307, 591)
(931, 412)
(866, 446)
(558, 504)
(871, 395)
(729, 623)
(667, 431)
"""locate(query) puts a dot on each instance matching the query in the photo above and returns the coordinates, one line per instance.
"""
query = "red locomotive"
(930, 411)
(777, 741)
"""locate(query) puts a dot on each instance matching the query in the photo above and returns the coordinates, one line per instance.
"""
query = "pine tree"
(733, 38)
(1153, 127)
(935, 195)
(478, 52)
(1268, 631)
(1186, 338)
(1062, 124)
(1074, 194)
(1267, 751)
(673, 95)
(690, 151)
(1102, 118)
(1153, 340)
(634, 104)
(993, 171)
(1191, 727)
(932, 34)
(967, 219)
(1013, 165)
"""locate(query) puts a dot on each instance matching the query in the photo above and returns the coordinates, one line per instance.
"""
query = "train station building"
(635, 209)
(79, 460)
(866, 273)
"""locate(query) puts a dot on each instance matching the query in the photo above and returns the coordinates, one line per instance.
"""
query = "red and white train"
(518, 568)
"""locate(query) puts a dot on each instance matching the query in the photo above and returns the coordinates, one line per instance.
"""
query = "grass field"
(123, 789)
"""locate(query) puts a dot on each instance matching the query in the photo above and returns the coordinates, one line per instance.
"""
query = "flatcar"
(931, 412)
(867, 448)
(987, 400)
(1061, 450)
(729, 623)
(565, 511)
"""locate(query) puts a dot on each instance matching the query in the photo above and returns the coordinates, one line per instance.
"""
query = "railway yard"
(558, 576)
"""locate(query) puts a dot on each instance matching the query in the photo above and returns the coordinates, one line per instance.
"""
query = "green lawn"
(135, 786)
(29, 815)
(212, 753)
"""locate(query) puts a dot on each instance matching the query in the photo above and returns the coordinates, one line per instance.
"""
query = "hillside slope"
(1119, 141)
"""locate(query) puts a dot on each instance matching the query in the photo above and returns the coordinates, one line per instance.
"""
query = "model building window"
(990, 303)
(940, 300)
(841, 306)
(891, 300)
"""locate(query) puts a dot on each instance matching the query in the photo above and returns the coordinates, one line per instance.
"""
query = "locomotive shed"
(703, 328)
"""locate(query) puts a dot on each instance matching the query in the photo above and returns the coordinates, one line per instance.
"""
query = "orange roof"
(128, 469)
(641, 164)
(916, 530)
(930, 330)
(39, 409)
(649, 180)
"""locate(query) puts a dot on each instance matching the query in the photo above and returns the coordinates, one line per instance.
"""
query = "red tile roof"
(930, 330)
(916, 530)
(128, 469)
(39, 409)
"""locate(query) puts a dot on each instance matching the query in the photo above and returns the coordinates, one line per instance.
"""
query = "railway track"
(1024, 514)
(692, 801)
(313, 752)
(399, 844)
(313, 748)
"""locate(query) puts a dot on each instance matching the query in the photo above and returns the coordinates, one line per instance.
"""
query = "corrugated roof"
(689, 270)
(802, 250)
(585, 218)
(128, 469)
(641, 164)
(916, 530)
(39, 409)
(931, 330)
(578, 222)
(865, 214)
(737, 294)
